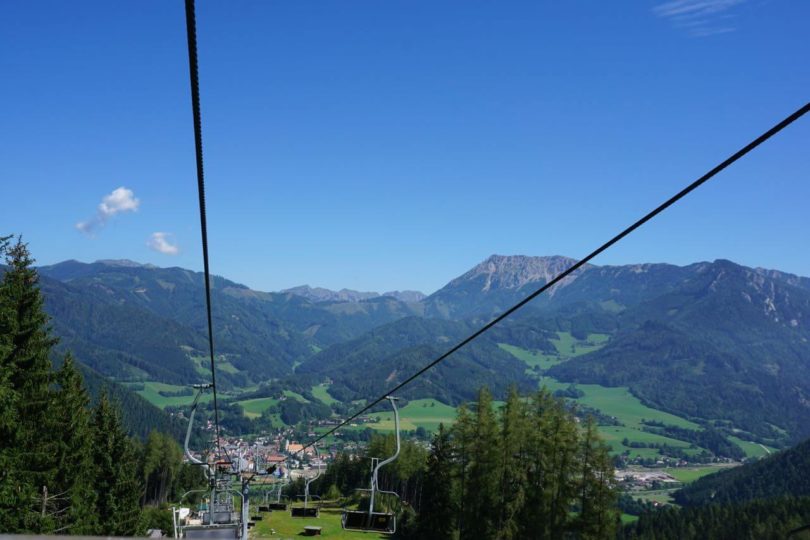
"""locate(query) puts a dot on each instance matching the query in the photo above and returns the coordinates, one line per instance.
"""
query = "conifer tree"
(116, 481)
(437, 518)
(551, 485)
(484, 472)
(27, 368)
(597, 499)
(10, 494)
(75, 504)
(463, 433)
(514, 450)
(161, 462)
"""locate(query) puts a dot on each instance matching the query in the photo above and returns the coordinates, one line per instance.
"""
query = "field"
(531, 359)
(617, 402)
(280, 525)
(753, 449)
(661, 496)
(690, 474)
(426, 413)
(253, 408)
(321, 391)
(568, 346)
(151, 393)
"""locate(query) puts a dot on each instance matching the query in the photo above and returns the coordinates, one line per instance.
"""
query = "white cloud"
(161, 243)
(699, 17)
(119, 201)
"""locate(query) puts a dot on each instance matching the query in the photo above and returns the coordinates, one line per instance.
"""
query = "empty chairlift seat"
(301, 512)
(358, 520)
(369, 520)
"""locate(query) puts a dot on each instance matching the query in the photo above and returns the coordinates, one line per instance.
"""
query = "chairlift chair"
(219, 520)
(307, 511)
(369, 520)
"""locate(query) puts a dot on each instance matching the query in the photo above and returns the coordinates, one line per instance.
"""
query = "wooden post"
(44, 499)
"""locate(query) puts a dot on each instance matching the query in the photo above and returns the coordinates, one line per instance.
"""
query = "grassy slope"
(253, 408)
(321, 391)
(753, 449)
(427, 413)
(287, 527)
(151, 389)
(618, 402)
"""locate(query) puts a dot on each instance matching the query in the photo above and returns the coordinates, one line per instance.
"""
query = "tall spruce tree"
(482, 509)
(437, 518)
(73, 481)
(28, 373)
(161, 461)
(463, 435)
(551, 469)
(597, 499)
(10, 488)
(116, 473)
(514, 458)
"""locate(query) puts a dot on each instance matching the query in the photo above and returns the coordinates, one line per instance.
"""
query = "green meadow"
(690, 474)
(151, 393)
(426, 413)
(321, 391)
(253, 408)
(281, 525)
(752, 449)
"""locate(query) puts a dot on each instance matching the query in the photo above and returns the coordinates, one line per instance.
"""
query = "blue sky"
(393, 145)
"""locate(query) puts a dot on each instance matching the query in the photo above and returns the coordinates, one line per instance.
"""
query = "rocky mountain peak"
(515, 271)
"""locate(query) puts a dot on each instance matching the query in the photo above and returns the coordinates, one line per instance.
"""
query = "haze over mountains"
(713, 341)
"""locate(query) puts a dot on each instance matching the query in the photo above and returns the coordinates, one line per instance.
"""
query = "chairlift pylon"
(371, 521)
(219, 519)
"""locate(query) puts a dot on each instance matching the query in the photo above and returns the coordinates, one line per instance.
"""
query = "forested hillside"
(779, 475)
(716, 342)
(69, 467)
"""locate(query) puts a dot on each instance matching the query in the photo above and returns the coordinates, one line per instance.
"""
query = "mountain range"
(712, 341)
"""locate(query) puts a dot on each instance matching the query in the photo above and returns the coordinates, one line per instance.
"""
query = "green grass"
(569, 346)
(253, 408)
(566, 345)
(690, 474)
(151, 394)
(619, 402)
(427, 413)
(630, 411)
(531, 359)
(287, 527)
(295, 395)
(627, 518)
(321, 391)
(752, 449)
(663, 496)
(203, 367)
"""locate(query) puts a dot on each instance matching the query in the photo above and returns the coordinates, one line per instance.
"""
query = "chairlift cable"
(191, 33)
(576, 266)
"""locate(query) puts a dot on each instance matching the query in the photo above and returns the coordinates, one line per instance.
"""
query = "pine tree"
(75, 502)
(597, 500)
(27, 368)
(482, 509)
(463, 435)
(514, 449)
(10, 495)
(161, 460)
(437, 518)
(115, 481)
(551, 469)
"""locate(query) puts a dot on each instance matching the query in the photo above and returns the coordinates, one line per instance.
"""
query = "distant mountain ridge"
(711, 340)
(319, 294)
